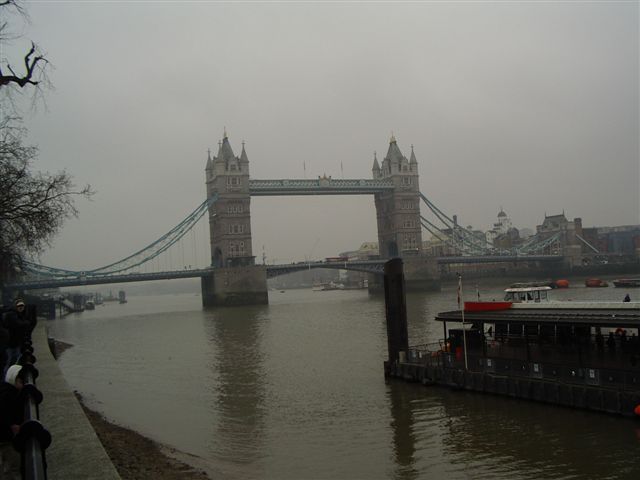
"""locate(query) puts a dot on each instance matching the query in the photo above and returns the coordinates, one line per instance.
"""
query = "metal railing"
(33, 438)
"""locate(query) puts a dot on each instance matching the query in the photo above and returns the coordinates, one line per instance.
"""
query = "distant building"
(569, 234)
(501, 227)
(367, 251)
(624, 239)
(526, 233)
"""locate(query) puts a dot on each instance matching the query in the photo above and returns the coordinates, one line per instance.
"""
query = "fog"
(529, 106)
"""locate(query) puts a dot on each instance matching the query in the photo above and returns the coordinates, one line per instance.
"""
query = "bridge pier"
(235, 286)
(421, 274)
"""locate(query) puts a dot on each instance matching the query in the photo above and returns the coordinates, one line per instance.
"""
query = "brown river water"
(295, 390)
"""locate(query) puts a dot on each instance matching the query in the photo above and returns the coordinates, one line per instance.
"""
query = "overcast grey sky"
(532, 106)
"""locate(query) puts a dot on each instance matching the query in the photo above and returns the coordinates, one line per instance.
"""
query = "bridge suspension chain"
(136, 259)
(467, 242)
(460, 238)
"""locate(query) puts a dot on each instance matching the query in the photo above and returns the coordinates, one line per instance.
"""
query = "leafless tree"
(33, 66)
(33, 204)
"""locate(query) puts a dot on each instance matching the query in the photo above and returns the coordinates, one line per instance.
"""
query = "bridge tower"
(230, 216)
(236, 278)
(398, 211)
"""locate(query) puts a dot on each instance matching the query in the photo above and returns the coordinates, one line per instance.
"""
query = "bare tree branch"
(33, 205)
(34, 62)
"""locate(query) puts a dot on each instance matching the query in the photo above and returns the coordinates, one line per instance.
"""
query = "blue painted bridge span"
(369, 266)
(319, 186)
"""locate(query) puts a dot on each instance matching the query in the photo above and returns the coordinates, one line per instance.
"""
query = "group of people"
(616, 340)
(16, 326)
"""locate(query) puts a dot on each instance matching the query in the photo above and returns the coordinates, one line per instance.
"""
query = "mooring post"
(396, 311)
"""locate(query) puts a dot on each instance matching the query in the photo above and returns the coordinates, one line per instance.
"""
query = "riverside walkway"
(75, 451)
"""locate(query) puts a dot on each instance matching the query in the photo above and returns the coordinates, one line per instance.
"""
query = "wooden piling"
(395, 310)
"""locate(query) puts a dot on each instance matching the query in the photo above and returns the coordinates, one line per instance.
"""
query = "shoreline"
(134, 455)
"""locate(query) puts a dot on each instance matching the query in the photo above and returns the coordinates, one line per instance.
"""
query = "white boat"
(538, 298)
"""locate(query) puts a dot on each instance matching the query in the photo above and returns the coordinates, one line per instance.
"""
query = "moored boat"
(627, 283)
(575, 354)
(595, 283)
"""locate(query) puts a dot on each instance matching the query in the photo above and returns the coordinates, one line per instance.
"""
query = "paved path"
(75, 451)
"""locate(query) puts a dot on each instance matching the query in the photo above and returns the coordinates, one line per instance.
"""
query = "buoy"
(637, 410)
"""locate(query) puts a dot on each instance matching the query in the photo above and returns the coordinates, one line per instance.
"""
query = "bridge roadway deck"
(370, 266)
(75, 451)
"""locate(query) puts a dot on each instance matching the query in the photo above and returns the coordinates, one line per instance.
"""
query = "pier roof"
(571, 316)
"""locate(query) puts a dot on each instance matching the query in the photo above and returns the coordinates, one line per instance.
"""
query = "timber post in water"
(395, 312)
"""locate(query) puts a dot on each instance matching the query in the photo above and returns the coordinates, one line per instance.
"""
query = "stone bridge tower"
(398, 211)
(230, 216)
(235, 280)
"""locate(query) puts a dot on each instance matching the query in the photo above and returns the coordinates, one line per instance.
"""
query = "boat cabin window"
(527, 296)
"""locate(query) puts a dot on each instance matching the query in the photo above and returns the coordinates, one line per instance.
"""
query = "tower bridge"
(395, 189)
(233, 276)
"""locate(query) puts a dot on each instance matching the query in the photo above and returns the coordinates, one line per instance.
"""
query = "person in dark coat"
(20, 322)
(4, 344)
(627, 298)
(11, 407)
(599, 341)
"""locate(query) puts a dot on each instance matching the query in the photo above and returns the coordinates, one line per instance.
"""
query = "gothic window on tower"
(410, 241)
(406, 205)
(241, 248)
(232, 249)
(233, 181)
(236, 228)
(234, 208)
(406, 181)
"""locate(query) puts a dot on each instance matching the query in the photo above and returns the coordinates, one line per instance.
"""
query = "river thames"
(295, 390)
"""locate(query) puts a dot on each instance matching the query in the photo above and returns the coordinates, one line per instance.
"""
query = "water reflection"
(485, 436)
(404, 436)
(539, 440)
(237, 366)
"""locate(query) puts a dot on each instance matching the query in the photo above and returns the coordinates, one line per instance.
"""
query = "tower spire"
(243, 154)
(376, 165)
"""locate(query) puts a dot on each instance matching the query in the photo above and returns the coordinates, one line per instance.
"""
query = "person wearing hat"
(11, 408)
(19, 324)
